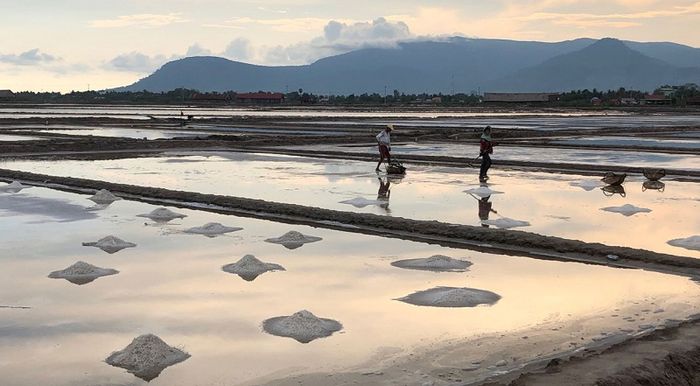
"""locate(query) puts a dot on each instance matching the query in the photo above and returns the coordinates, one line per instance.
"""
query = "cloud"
(137, 62)
(239, 49)
(139, 20)
(197, 50)
(340, 37)
(28, 58)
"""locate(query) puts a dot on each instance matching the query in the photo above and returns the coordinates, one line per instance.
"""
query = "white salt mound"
(13, 187)
(104, 197)
(692, 242)
(627, 209)
(82, 273)
(212, 229)
(586, 185)
(438, 263)
(303, 326)
(162, 215)
(482, 191)
(146, 357)
(506, 223)
(451, 297)
(249, 267)
(360, 202)
(110, 244)
(293, 239)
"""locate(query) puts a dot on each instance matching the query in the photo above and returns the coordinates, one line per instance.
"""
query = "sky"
(64, 45)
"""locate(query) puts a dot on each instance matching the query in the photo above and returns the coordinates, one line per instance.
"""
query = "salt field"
(543, 200)
(602, 158)
(171, 284)
(127, 133)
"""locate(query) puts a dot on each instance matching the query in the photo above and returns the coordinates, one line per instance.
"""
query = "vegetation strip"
(518, 242)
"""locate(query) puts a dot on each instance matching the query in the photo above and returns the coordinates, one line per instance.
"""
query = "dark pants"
(485, 165)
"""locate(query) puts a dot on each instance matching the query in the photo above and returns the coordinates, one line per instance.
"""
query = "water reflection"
(383, 193)
(612, 190)
(653, 185)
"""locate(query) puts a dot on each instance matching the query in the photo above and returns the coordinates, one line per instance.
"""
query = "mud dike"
(500, 241)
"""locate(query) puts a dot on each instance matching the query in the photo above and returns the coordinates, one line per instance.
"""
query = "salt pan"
(293, 239)
(360, 202)
(13, 187)
(162, 215)
(482, 191)
(437, 263)
(451, 297)
(506, 223)
(103, 197)
(303, 326)
(627, 209)
(249, 268)
(110, 244)
(82, 273)
(212, 229)
(146, 357)
(692, 242)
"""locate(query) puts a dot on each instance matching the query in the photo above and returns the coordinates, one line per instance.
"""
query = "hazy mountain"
(456, 64)
(605, 64)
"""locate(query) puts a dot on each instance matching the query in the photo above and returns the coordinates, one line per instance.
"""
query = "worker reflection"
(485, 209)
(384, 193)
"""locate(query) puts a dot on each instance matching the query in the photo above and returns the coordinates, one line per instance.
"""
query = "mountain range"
(452, 65)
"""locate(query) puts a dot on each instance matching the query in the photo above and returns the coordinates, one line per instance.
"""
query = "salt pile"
(212, 229)
(627, 209)
(692, 242)
(13, 187)
(586, 185)
(438, 263)
(110, 244)
(162, 215)
(146, 357)
(451, 297)
(82, 273)
(303, 326)
(103, 197)
(360, 202)
(249, 268)
(482, 191)
(293, 239)
(506, 223)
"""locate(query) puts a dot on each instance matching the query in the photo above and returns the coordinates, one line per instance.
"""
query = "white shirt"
(384, 138)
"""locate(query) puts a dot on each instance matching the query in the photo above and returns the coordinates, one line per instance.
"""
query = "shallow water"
(631, 141)
(547, 201)
(128, 133)
(142, 112)
(14, 138)
(546, 123)
(535, 154)
(172, 285)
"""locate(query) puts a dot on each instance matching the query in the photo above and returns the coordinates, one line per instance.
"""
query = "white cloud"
(239, 49)
(28, 58)
(139, 20)
(137, 62)
(340, 37)
(197, 50)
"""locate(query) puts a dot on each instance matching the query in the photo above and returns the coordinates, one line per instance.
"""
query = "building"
(6, 94)
(496, 97)
(595, 101)
(210, 98)
(693, 101)
(260, 98)
(653, 99)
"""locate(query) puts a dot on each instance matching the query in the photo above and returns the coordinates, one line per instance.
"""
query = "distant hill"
(456, 64)
(605, 64)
